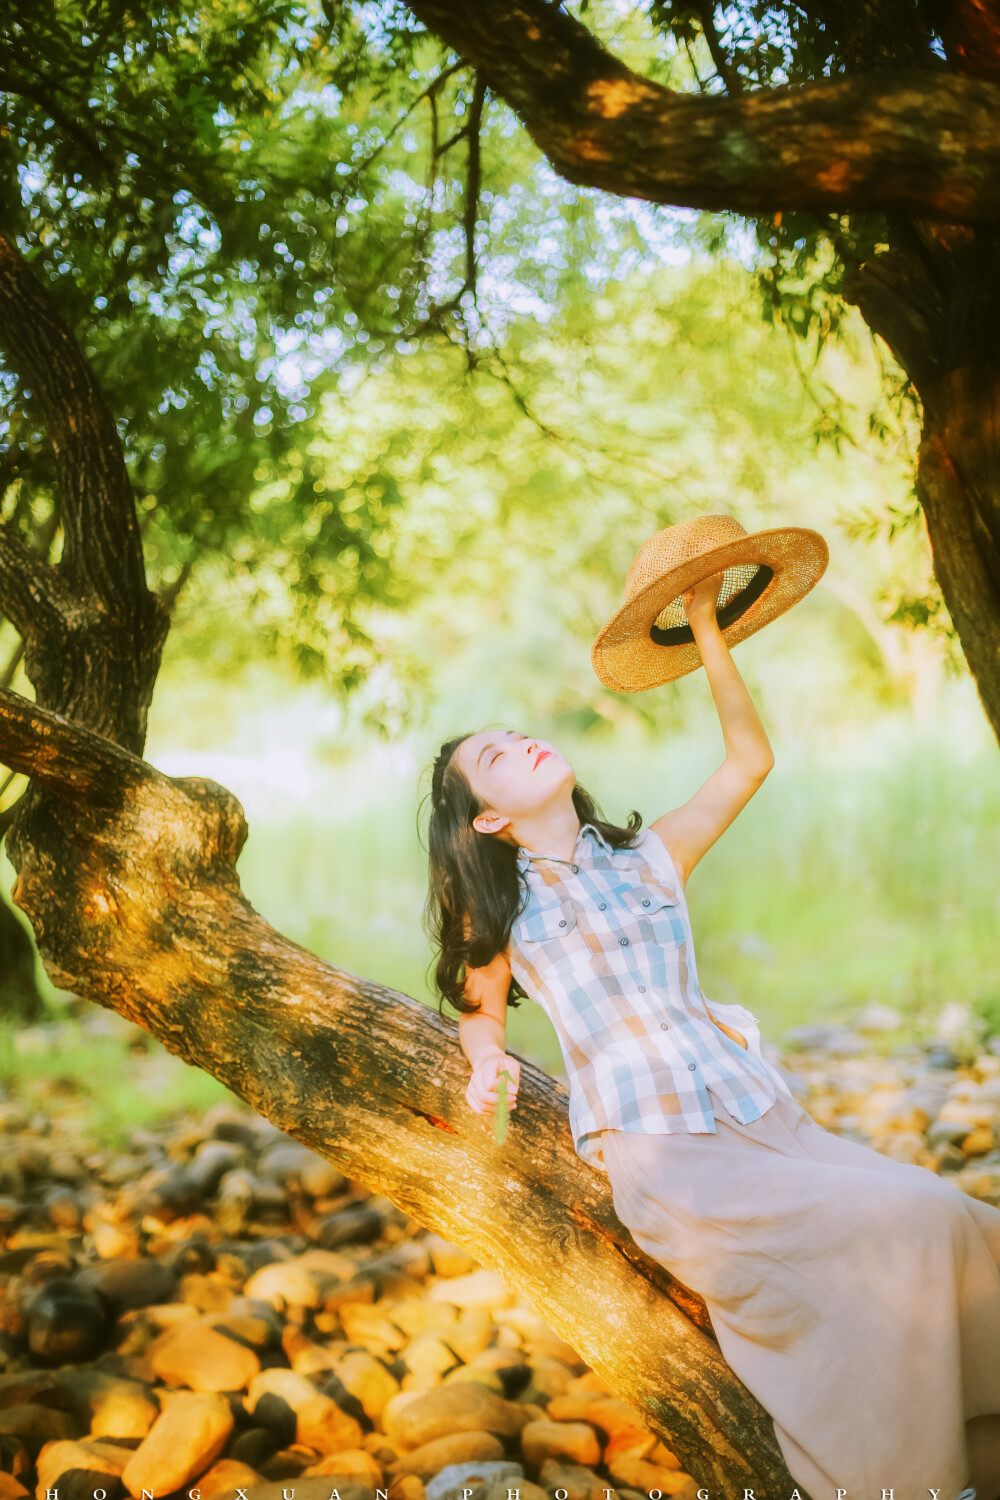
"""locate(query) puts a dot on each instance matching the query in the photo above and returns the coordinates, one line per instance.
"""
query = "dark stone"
(31, 1388)
(273, 1412)
(235, 1131)
(273, 1359)
(80, 1484)
(255, 1446)
(255, 1253)
(170, 1192)
(190, 1255)
(67, 1323)
(125, 1283)
(941, 1056)
(514, 1378)
(335, 1388)
(15, 1459)
(352, 1226)
(211, 1162)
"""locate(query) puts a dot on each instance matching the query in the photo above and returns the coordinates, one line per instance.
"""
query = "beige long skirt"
(857, 1297)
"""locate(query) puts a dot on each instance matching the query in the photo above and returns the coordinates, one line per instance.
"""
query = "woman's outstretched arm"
(688, 831)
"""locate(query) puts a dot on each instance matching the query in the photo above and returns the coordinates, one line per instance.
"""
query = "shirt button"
(664, 1026)
(623, 942)
(562, 921)
(575, 869)
(642, 989)
(602, 906)
(691, 1067)
(645, 902)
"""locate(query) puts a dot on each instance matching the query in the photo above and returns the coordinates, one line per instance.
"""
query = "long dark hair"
(475, 874)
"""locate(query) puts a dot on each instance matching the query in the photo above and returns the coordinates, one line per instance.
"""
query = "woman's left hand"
(700, 600)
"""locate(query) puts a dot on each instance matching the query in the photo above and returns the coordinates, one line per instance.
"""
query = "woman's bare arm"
(690, 830)
(483, 1036)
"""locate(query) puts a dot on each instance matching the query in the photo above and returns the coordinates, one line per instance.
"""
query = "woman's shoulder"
(658, 855)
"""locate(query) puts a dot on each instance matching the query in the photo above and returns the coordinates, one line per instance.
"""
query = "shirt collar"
(525, 856)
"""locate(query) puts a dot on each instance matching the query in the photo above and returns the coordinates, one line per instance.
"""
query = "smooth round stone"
(256, 1446)
(67, 1323)
(15, 1459)
(77, 1469)
(127, 1284)
(255, 1254)
(212, 1160)
(352, 1226)
(37, 1425)
(449, 1483)
(181, 1444)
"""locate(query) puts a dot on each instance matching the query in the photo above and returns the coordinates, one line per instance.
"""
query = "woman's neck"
(553, 832)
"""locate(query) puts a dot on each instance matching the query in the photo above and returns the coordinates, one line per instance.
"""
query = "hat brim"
(626, 658)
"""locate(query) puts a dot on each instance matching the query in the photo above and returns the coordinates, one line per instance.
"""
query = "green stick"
(503, 1113)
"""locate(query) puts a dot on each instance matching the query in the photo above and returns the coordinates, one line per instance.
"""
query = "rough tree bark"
(128, 878)
(836, 144)
(922, 147)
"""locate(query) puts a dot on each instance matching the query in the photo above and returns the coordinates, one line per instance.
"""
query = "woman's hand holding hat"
(700, 600)
(650, 639)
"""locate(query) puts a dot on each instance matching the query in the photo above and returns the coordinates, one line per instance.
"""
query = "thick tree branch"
(69, 759)
(102, 552)
(899, 300)
(31, 591)
(93, 630)
(920, 143)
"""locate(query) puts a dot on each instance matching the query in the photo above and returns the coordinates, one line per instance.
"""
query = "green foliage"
(261, 222)
(801, 260)
(233, 205)
(529, 485)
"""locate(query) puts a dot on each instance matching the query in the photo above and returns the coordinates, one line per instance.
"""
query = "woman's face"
(512, 774)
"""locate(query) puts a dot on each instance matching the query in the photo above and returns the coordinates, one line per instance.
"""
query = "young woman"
(857, 1297)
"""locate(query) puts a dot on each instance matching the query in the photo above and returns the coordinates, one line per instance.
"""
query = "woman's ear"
(489, 822)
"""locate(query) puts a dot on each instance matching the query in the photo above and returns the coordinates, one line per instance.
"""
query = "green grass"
(104, 1089)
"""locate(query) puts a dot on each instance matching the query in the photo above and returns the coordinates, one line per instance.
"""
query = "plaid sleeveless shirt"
(604, 945)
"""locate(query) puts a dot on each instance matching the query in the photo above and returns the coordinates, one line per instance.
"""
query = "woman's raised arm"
(688, 831)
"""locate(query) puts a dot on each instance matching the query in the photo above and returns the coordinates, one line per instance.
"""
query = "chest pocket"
(644, 900)
(546, 923)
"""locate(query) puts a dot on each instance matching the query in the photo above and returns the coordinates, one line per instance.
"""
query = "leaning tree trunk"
(958, 484)
(128, 878)
(934, 297)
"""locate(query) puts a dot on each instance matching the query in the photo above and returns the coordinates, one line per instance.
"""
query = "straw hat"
(649, 641)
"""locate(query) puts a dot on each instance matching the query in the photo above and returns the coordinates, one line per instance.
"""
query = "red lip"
(541, 756)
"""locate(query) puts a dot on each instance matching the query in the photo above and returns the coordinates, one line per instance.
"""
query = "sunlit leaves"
(237, 207)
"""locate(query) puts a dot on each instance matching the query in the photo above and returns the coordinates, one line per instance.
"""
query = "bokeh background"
(864, 870)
